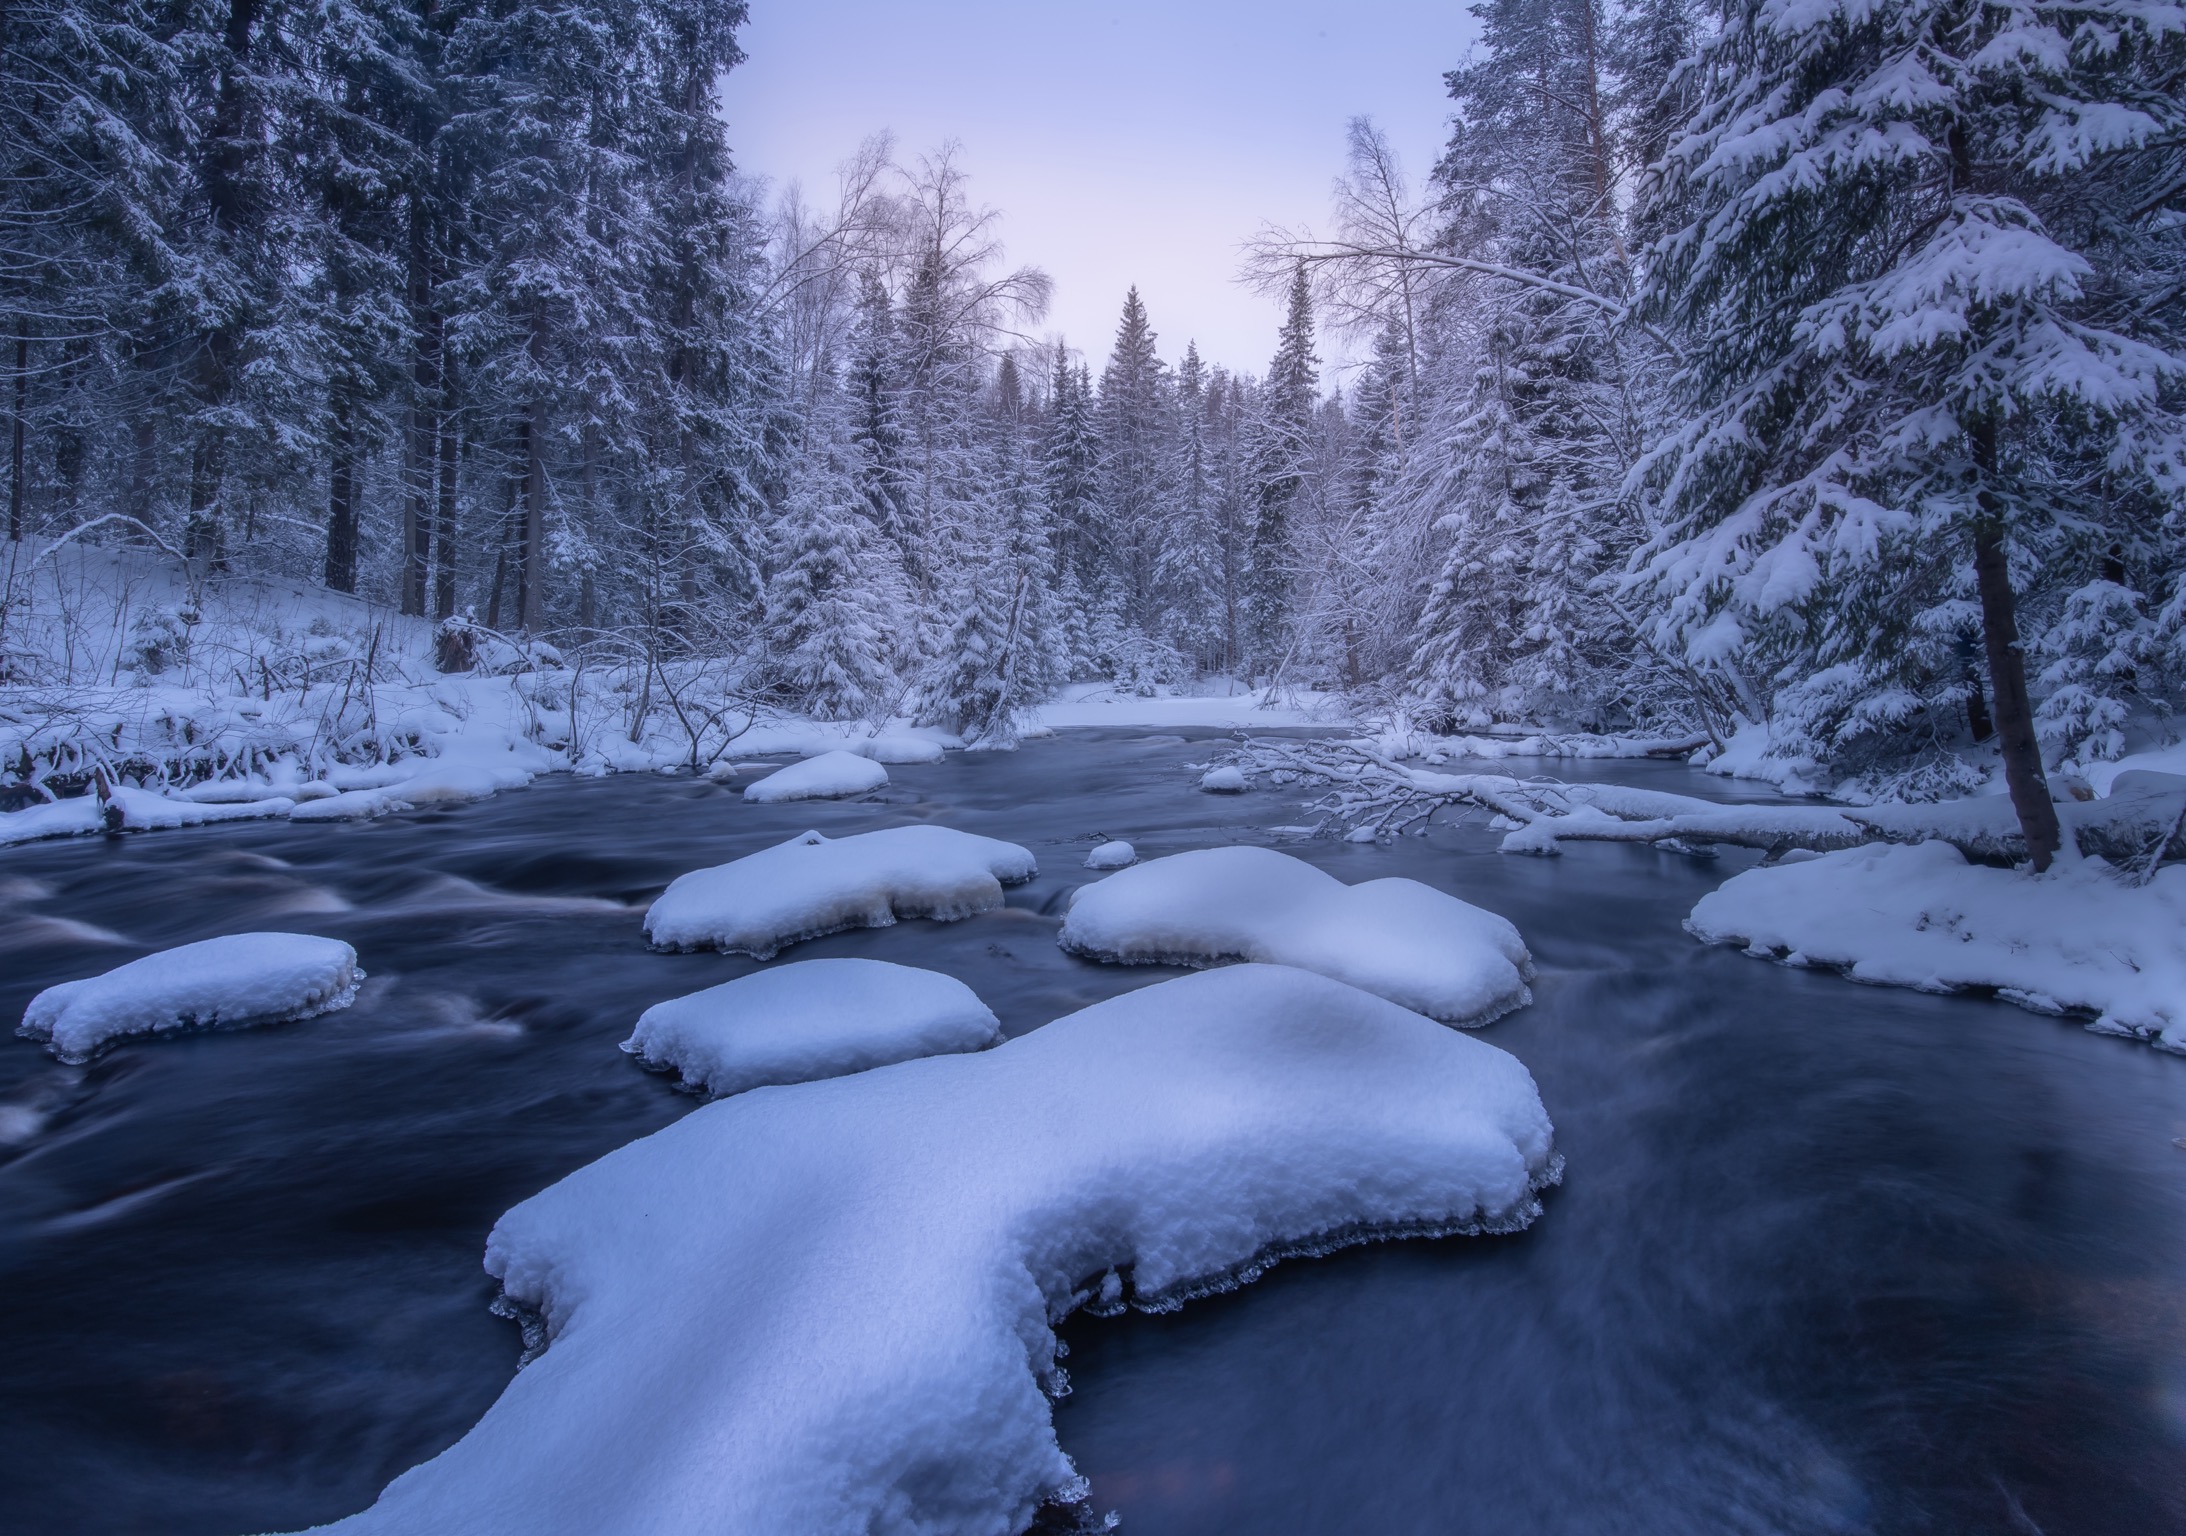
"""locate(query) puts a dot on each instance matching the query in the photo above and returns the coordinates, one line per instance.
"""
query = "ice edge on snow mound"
(1201, 961)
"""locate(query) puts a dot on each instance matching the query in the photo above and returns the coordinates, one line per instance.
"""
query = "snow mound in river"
(827, 1309)
(1397, 938)
(811, 1019)
(813, 885)
(899, 747)
(1115, 854)
(830, 776)
(1920, 916)
(227, 983)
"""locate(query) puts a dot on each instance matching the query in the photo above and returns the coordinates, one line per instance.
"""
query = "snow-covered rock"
(1402, 940)
(810, 1019)
(827, 1309)
(1115, 854)
(1918, 915)
(1225, 780)
(829, 776)
(813, 885)
(226, 983)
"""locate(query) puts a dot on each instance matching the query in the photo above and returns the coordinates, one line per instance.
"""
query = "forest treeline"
(1812, 365)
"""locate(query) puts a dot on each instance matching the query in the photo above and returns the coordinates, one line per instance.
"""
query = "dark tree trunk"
(2016, 741)
(451, 444)
(1977, 703)
(201, 532)
(2015, 738)
(531, 608)
(341, 506)
(2113, 565)
(425, 408)
(501, 556)
(143, 472)
(15, 434)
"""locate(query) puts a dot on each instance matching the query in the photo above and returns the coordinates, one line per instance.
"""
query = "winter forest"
(1815, 367)
(815, 735)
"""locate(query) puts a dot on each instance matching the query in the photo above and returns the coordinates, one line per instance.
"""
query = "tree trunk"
(201, 535)
(501, 555)
(143, 472)
(531, 611)
(425, 407)
(444, 535)
(341, 506)
(15, 435)
(2015, 738)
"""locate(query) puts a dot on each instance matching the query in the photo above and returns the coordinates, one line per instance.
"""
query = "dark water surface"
(1827, 1258)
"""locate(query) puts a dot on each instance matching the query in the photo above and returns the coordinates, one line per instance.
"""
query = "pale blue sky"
(1124, 142)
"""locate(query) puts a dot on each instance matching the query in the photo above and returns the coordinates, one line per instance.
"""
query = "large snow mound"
(811, 1019)
(827, 1309)
(830, 776)
(1918, 915)
(1399, 939)
(812, 885)
(226, 983)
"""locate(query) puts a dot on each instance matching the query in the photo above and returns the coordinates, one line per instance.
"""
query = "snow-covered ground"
(2082, 937)
(807, 1020)
(828, 1309)
(1217, 702)
(1399, 939)
(234, 982)
(814, 885)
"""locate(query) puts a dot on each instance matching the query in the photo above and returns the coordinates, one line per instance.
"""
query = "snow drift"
(1919, 915)
(812, 885)
(226, 983)
(829, 776)
(1399, 939)
(810, 1019)
(827, 1309)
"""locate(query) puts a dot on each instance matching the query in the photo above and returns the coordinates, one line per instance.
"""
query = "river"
(1827, 1258)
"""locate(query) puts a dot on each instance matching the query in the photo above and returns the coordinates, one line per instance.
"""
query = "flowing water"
(1827, 1258)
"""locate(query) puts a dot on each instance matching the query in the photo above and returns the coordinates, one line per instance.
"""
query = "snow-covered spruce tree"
(1530, 464)
(708, 397)
(873, 382)
(1070, 464)
(1283, 429)
(557, 279)
(1188, 576)
(1135, 428)
(86, 192)
(827, 653)
(1000, 656)
(1893, 253)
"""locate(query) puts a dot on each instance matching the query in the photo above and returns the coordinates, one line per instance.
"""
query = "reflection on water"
(1827, 1258)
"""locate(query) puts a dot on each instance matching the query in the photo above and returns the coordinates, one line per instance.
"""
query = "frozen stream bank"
(1827, 1258)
